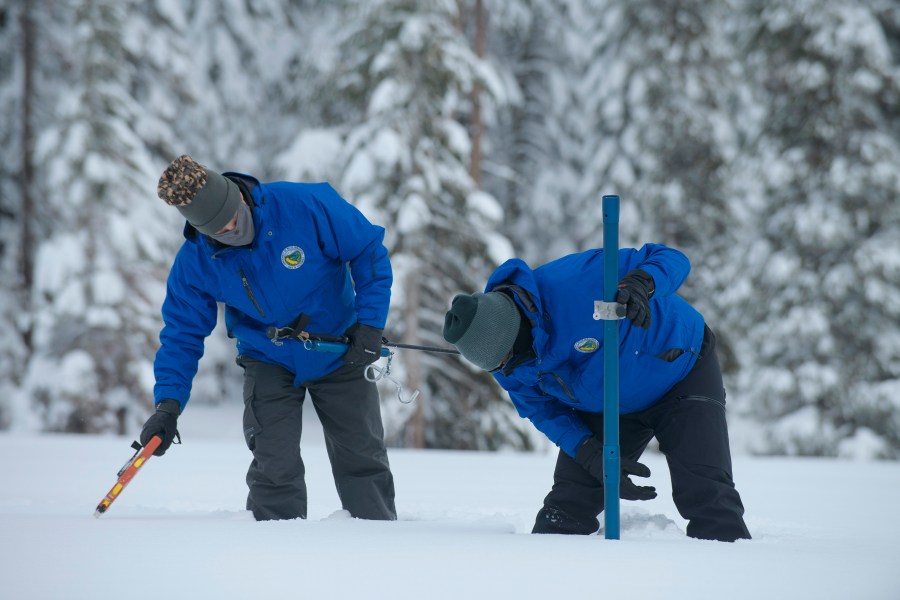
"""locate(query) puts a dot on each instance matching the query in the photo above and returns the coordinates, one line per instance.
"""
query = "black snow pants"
(348, 407)
(689, 423)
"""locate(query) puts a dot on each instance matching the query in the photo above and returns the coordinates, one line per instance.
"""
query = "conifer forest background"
(760, 137)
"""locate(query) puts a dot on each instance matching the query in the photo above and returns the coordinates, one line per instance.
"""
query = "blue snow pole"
(611, 461)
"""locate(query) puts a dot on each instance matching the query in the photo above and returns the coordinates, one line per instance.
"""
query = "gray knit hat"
(483, 327)
(205, 198)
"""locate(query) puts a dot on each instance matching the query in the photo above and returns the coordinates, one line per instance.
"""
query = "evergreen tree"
(97, 265)
(407, 163)
(818, 323)
(760, 138)
(12, 67)
(301, 88)
(237, 51)
(644, 100)
(656, 94)
(523, 147)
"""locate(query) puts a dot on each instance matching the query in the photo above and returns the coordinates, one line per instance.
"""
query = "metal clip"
(374, 374)
(608, 311)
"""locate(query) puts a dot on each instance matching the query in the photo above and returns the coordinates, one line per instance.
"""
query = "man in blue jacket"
(534, 330)
(275, 254)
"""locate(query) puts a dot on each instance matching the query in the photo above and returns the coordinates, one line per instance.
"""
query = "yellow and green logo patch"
(292, 257)
(587, 345)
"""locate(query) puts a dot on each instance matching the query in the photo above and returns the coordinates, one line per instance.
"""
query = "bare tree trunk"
(460, 21)
(476, 125)
(413, 363)
(27, 249)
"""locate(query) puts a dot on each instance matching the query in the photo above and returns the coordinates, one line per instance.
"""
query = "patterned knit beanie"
(205, 198)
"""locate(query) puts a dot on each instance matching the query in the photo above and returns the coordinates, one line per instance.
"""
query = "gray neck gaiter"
(243, 232)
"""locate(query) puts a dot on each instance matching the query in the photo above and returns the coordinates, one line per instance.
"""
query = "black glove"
(162, 423)
(365, 345)
(635, 291)
(590, 456)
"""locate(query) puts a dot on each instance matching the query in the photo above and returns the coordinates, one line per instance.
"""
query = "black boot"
(553, 520)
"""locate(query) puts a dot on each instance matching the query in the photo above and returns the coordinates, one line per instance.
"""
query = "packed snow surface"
(823, 529)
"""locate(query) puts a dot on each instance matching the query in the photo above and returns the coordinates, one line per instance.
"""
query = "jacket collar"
(517, 278)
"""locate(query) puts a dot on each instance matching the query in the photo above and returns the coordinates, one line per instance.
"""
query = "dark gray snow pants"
(348, 407)
(689, 423)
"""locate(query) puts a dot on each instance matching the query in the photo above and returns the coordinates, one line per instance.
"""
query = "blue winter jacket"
(567, 373)
(306, 237)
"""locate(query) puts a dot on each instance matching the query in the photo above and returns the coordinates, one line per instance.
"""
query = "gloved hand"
(635, 291)
(590, 456)
(365, 344)
(163, 423)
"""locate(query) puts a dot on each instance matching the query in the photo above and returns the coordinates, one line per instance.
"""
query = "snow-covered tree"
(238, 51)
(819, 338)
(650, 113)
(640, 99)
(97, 276)
(761, 138)
(521, 140)
(16, 32)
(412, 72)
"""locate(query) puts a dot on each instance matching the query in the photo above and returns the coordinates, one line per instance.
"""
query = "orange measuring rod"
(127, 472)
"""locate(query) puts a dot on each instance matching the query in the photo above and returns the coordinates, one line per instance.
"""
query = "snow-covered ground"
(824, 529)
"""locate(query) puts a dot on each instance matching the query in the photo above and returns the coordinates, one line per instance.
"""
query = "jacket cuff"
(572, 440)
(170, 406)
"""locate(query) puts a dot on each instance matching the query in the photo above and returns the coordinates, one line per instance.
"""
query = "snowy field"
(824, 529)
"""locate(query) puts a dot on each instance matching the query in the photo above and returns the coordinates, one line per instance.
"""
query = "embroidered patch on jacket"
(587, 345)
(292, 257)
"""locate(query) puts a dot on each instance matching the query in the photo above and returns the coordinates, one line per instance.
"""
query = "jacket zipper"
(250, 293)
(562, 385)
